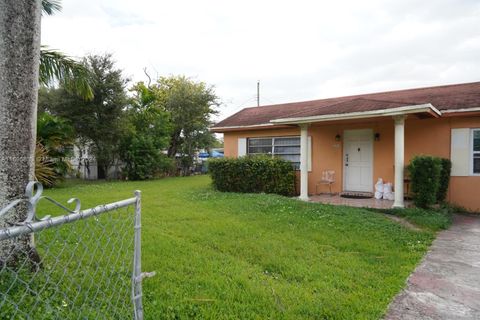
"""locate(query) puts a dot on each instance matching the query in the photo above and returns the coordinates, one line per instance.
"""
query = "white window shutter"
(309, 153)
(242, 147)
(460, 152)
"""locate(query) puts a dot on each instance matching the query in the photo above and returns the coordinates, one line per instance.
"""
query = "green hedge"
(444, 179)
(430, 177)
(253, 175)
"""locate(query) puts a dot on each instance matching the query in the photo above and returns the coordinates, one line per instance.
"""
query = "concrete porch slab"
(360, 203)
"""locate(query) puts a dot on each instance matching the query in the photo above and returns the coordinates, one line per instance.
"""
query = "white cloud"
(300, 50)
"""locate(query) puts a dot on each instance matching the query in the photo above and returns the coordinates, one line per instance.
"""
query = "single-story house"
(365, 137)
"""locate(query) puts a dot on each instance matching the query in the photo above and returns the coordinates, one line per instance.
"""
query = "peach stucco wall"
(422, 136)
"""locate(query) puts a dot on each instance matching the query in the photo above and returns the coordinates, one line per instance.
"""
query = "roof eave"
(245, 127)
(461, 112)
(404, 110)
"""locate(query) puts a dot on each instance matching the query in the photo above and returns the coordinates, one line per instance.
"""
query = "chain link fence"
(82, 265)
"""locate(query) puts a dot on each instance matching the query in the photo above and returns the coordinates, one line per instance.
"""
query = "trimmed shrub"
(425, 179)
(253, 175)
(444, 179)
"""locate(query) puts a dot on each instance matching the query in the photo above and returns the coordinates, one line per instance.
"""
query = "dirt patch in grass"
(403, 222)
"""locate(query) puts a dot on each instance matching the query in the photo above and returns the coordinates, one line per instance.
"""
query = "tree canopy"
(98, 121)
(141, 128)
(191, 104)
(147, 134)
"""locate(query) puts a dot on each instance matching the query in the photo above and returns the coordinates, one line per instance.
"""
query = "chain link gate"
(85, 264)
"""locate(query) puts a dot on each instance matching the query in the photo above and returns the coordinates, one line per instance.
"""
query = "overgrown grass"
(254, 256)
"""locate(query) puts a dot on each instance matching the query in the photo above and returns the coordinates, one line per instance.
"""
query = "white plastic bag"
(387, 192)
(379, 189)
(387, 187)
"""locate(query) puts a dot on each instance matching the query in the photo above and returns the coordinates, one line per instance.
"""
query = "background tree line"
(83, 103)
(151, 129)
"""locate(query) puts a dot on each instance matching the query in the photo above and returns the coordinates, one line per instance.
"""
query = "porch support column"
(399, 160)
(304, 162)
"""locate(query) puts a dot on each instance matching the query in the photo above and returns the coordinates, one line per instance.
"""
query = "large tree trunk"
(19, 64)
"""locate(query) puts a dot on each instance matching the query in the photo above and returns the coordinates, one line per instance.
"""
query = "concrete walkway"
(446, 285)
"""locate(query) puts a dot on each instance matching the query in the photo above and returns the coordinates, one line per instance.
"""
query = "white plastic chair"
(328, 178)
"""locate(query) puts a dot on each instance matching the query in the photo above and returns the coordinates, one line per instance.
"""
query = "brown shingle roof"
(457, 96)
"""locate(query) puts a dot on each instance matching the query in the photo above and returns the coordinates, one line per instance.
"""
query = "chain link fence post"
(137, 262)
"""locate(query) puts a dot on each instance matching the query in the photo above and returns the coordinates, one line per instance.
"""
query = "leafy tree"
(100, 120)
(48, 98)
(147, 115)
(148, 131)
(142, 159)
(190, 105)
(218, 143)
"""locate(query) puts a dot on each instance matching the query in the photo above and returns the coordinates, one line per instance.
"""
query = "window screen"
(287, 148)
(476, 151)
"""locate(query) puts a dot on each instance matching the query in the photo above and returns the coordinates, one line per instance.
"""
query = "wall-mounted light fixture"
(338, 137)
(377, 136)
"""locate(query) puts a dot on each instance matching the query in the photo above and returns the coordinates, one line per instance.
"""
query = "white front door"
(358, 160)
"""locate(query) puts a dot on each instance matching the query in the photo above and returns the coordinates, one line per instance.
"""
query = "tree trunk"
(19, 64)
(173, 148)
(101, 172)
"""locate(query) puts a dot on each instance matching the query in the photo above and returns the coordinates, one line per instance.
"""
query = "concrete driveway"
(446, 285)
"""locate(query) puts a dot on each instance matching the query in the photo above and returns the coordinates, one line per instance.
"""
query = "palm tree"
(19, 77)
(57, 68)
(50, 6)
(55, 139)
(19, 64)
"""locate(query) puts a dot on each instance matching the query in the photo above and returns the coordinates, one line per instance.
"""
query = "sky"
(298, 50)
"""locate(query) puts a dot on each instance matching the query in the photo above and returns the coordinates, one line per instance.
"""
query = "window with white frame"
(476, 151)
(287, 148)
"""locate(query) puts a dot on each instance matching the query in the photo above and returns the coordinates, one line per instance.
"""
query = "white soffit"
(461, 110)
(361, 114)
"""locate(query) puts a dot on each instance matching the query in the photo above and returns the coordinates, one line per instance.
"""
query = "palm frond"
(50, 6)
(57, 67)
(44, 167)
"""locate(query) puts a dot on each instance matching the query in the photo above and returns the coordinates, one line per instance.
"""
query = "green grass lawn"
(431, 219)
(244, 256)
